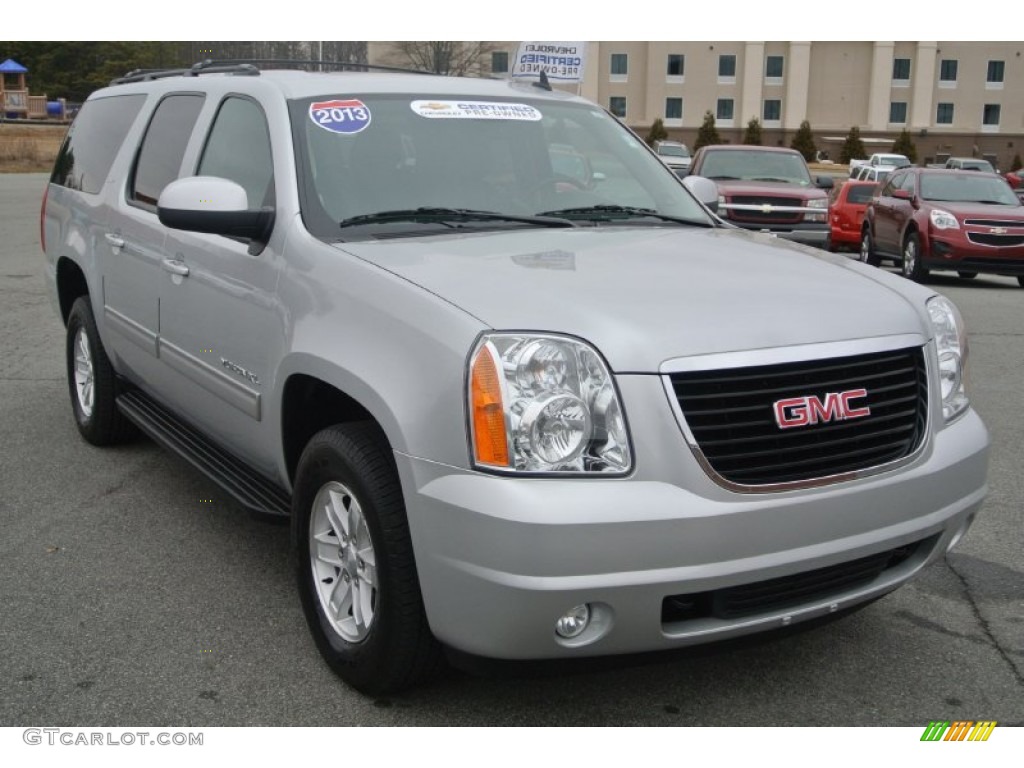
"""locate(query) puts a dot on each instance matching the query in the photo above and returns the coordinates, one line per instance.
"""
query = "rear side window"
(238, 148)
(860, 193)
(93, 140)
(164, 146)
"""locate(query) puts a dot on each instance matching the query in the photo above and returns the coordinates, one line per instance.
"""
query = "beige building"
(955, 98)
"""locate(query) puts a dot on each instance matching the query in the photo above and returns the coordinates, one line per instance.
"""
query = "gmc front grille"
(731, 416)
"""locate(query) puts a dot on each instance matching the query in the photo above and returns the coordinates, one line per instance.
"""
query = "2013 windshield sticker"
(475, 110)
(340, 115)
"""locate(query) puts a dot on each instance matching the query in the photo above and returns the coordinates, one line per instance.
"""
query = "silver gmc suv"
(509, 410)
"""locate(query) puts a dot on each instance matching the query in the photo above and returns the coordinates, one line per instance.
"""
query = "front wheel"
(913, 269)
(867, 249)
(355, 565)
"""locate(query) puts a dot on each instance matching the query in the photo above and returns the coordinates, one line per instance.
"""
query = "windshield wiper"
(724, 178)
(774, 178)
(612, 212)
(445, 215)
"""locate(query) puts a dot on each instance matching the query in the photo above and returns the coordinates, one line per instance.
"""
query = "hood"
(646, 295)
(980, 210)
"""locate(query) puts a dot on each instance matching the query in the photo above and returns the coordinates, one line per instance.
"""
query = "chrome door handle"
(175, 267)
(116, 241)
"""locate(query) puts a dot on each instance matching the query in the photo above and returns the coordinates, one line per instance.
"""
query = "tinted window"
(861, 193)
(164, 146)
(238, 148)
(893, 183)
(93, 140)
(901, 69)
(773, 66)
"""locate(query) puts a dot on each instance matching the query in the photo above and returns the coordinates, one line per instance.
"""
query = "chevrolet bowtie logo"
(998, 230)
(766, 208)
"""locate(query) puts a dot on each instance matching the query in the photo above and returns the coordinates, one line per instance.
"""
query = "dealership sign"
(559, 61)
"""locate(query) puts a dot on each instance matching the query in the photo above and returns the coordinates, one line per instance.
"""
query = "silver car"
(509, 410)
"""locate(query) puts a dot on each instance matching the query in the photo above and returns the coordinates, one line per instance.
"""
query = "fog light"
(573, 622)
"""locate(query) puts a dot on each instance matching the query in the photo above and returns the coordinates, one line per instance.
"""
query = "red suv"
(846, 207)
(927, 219)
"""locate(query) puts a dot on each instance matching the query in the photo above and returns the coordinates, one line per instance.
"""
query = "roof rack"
(207, 67)
(253, 67)
(320, 64)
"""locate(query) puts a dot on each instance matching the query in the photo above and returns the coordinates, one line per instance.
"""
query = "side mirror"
(824, 182)
(705, 190)
(215, 206)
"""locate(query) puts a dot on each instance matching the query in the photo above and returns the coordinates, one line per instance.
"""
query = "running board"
(249, 488)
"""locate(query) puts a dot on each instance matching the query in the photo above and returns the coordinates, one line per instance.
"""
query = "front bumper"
(500, 559)
(957, 252)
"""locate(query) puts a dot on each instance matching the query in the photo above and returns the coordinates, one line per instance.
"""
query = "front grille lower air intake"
(731, 416)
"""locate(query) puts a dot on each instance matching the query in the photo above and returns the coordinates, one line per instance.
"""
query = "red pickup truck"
(767, 189)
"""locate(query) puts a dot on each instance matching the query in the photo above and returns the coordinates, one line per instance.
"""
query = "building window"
(674, 108)
(499, 62)
(944, 114)
(947, 72)
(898, 112)
(994, 78)
(676, 65)
(990, 116)
(727, 67)
(617, 106)
(620, 64)
(772, 110)
(725, 109)
(773, 67)
(901, 71)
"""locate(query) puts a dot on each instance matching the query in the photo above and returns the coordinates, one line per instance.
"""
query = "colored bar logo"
(958, 730)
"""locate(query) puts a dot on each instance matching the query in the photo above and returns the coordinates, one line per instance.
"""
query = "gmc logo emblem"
(802, 411)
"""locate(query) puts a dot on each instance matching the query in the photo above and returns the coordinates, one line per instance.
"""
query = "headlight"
(541, 403)
(943, 220)
(951, 345)
(821, 202)
(722, 211)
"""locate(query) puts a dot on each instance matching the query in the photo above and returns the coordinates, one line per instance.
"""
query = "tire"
(867, 249)
(92, 382)
(359, 588)
(911, 265)
(968, 275)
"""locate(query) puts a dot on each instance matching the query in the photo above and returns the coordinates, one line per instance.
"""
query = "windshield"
(966, 188)
(751, 165)
(673, 149)
(391, 153)
(898, 161)
(978, 165)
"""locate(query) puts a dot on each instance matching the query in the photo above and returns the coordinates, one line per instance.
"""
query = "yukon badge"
(809, 409)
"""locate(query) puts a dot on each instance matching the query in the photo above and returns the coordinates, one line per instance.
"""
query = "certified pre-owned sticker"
(475, 110)
(340, 115)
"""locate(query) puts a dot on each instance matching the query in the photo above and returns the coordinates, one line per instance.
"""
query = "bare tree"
(445, 57)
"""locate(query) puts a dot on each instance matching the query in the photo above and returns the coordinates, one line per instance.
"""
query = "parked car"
(873, 174)
(881, 160)
(966, 221)
(504, 412)
(847, 204)
(1015, 178)
(767, 189)
(674, 154)
(969, 164)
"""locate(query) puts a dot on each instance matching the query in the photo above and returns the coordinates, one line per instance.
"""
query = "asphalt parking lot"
(133, 591)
